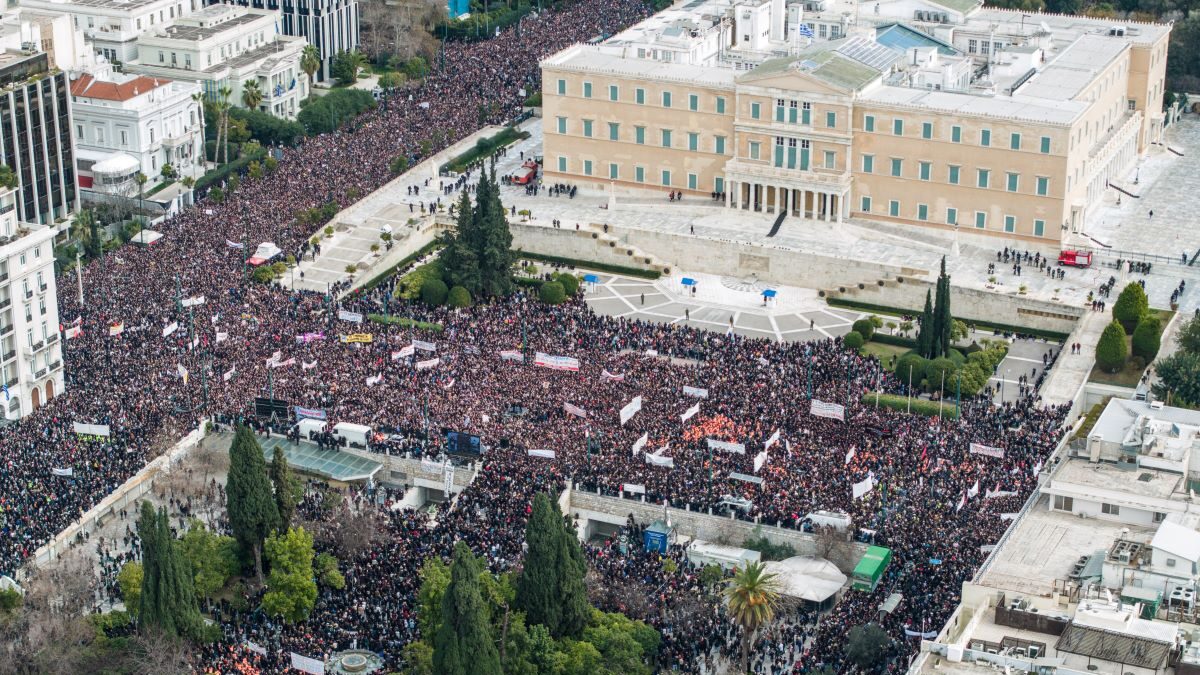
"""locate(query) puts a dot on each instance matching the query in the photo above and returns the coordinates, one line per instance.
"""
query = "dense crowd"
(246, 340)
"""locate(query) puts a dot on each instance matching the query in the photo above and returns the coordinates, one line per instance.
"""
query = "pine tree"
(459, 259)
(551, 589)
(287, 489)
(248, 498)
(946, 320)
(463, 644)
(925, 330)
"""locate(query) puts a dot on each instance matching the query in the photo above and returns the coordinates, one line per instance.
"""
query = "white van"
(356, 435)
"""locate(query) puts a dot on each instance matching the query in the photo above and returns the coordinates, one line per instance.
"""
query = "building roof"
(1075, 68)
(1177, 540)
(90, 87)
(812, 579)
(592, 59)
(1019, 107)
(961, 6)
(1113, 646)
(1120, 414)
(826, 62)
(902, 38)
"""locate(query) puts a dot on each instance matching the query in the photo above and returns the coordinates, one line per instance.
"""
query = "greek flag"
(805, 31)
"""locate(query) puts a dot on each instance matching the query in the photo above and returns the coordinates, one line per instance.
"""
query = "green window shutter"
(1039, 228)
(956, 134)
(869, 123)
(1045, 145)
(927, 130)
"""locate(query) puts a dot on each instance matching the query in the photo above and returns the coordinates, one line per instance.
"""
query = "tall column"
(728, 188)
(840, 199)
(828, 207)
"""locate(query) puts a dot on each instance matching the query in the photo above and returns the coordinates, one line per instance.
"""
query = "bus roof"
(874, 560)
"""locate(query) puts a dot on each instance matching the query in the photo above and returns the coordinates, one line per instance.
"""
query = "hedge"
(223, 172)
(408, 260)
(1090, 419)
(589, 265)
(853, 339)
(484, 147)
(404, 322)
(920, 406)
(894, 340)
(1001, 327)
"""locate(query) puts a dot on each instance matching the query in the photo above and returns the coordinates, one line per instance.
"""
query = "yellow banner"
(358, 337)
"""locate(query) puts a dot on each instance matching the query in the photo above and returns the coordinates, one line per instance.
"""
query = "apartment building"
(35, 135)
(53, 32)
(155, 121)
(112, 27)
(228, 46)
(918, 122)
(31, 371)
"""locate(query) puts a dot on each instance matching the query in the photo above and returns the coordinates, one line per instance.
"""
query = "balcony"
(40, 374)
(5, 303)
(3, 277)
(52, 338)
(8, 356)
(43, 288)
(5, 330)
(817, 180)
(12, 383)
(28, 294)
(55, 366)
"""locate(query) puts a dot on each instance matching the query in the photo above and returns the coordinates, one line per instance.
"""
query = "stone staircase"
(637, 257)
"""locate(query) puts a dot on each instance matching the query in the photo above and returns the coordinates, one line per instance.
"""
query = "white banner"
(640, 443)
(574, 410)
(998, 493)
(974, 491)
(221, 337)
(556, 362)
(861, 488)
(548, 454)
(352, 317)
(234, 244)
(406, 351)
(987, 548)
(261, 651)
(926, 636)
(714, 444)
(613, 377)
(695, 391)
(229, 374)
(74, 332)
(193, 302)
(374, 380)
(448, 480)
(422, 365)
(631, 409)
(772, 440)
(658, 460)
(690, 412)
(280, 364)
(745, 478)
(63, 472)
(116, 329)
(91, 429)
(512, 355)
(424, 346)
(170, 328)
(759, 460)
(633, 488)
(308, 665)
(830, 410)
(987, 450)
(1009, 516)
(849, 456)
(307, 365)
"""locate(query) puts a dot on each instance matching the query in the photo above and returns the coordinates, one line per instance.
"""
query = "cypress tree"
(551, 589)
(946, 320)
(925, 330)
(150, 610)
(494, 247)
(180, 616)
(248, 497)
(286, 487)
(463, 644)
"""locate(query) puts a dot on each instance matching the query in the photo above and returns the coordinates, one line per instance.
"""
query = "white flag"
(849, 455)
(170, 328)
(695, 391)
(759, 460)
(772, 440)
(308, 366)
(308, 665)
(228, 375)
(631, 409)
(640, 443)
(861, 488)
(690, 412)
(234, 244)
(659, 460)
(548, 454)
(974, 491)
(63, 472)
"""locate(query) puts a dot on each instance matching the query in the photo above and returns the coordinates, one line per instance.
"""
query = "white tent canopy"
(812, 579)
(146, 237)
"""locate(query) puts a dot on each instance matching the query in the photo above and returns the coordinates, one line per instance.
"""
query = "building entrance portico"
(821, 204)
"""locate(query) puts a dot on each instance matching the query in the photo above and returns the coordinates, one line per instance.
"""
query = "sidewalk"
(1072, 370)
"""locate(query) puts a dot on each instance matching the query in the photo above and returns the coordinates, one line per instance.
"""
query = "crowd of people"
(238, 340)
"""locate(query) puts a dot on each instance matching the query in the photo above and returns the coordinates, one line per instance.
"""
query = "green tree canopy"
(1188, 336)
(1147, 337)
(286, 488)
(926, 329)
(291, 590)
(249, 499)
(1131, 305)
(212, 558)
(751, 597)
(463, 644)
(168, 601)
(866, 646)
(551, 589)
(1111, 351)
(1179, 379)
(853, 340)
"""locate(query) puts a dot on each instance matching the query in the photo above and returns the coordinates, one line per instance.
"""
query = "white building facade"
(113, 26)
(226, 46)
(157, 122)
(30, 352)
(330, 25)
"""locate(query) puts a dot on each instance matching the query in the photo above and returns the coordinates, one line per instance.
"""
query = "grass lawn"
(883, 352)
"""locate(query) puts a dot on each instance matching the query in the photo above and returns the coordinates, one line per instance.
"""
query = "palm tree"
(252, 96)
(359, 61)
(310, 63)
(86, 230)
(141, 179)
(198, 97)
(751, 598)
(223, 130)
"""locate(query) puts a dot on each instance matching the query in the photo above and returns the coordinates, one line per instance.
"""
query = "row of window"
(666, 136)
(895, 210)
(983, 177)
(794, 112)
(639, 97)
(1015, 139)
(691, 180)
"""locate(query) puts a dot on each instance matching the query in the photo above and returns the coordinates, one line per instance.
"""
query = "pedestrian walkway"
(1072, 370)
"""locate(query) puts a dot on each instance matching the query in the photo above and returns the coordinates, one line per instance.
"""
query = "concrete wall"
(967, 303)
(588, 506)
(129, 492)
(582, 244)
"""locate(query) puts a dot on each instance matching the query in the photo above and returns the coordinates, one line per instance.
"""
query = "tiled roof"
(90, 87)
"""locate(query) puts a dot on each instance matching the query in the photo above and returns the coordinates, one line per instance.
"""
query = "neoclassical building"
(944, 115)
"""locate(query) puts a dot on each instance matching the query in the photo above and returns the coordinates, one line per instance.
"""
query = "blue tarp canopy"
(689, 281)
(769, 293)
(591, 278)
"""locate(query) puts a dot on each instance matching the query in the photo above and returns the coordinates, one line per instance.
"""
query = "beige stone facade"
(819, 134)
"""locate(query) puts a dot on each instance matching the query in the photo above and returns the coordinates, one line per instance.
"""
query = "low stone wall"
(129, 492)
(731, 531)
(969, 304)
(583, 244)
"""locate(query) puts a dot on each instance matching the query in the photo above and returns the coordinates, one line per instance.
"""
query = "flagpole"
(941, 393)
(808, 368)
(79, 276)
(909, 392)
(957, 395)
